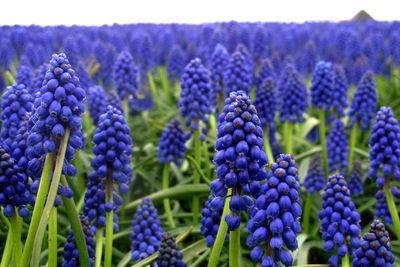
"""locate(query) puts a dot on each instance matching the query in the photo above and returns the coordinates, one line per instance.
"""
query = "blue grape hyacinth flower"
(266, 71)
(147, 230)
(315, 179)
(355, 179)
(125, 75)
(219, 61)
(171, 147)
(275, 217)
(169, 253)
(38, 78)
(97, 102)
(266, 102)
(237, 74)
(381, 206)
(339, 220)
(340, 89)
(24, 76)
(175, 63)
(337, 146)
(322, 86)
(375, 248)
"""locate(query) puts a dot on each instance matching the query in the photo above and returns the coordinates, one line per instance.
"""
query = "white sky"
(89, 12)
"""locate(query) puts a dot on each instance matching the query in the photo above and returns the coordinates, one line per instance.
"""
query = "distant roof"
(362, 15)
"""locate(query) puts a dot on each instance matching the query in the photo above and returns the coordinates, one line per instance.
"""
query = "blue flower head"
(146, 57)
(337, 146)
(266, 102)
(219, 61)
(355, 180)
(195, 94)
(240, 158)
(340, 88)
(125, 75)
(309, 58)
(115, 101)
(84, 77)
(339, 220)
(293, 95)
(259, 46)
(384, 147)
(237, 74)
(375, 248)
(175, 63)
(97, 102)
(315, 179)
(363, 104)
(72, 49)
(147, 230)
(275, 217)
(381, 206)
(266, 71)
(71, 256)
(38, 78)
(171, 147)
(322, 86)
(169, 253)
(24, 76)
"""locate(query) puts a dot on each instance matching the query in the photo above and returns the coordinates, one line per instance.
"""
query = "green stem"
(154, 92)
(352, 144)
(392, 207)
(212, 123)
(287, 136)
(38, 209)
(4, 218)
(44, 219)
(346, 261)
(267, 146)
(16, 227)
(221, 235)
(234, 248)
(322, 139)
(74, 220)
(99, 247)
(126, 108)
(165, 85)
(206, 159)
(197, 157)
(109, 220)
(167, 206)
(5, 259)
(52, 256)
(9, 78)
(307, 210)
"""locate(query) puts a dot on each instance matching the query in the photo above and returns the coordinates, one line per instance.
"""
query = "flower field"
(220, 144)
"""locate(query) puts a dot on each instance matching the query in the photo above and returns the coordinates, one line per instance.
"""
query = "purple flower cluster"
(237, 74)
(219, 61)
(171, 147)
(169, 253)
(266, 102)
(322, 86)
(97, 102)
(381, 206)
(355, 179)
(175, 63)
(125, 75)
(340, 88)
(210, 222)
(337, 146)
(315, 179)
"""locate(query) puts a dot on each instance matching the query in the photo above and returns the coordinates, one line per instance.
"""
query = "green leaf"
(301, 238)
(9, 78)
(306, 127)
(194, 250)
(193, 161)
(302, 256)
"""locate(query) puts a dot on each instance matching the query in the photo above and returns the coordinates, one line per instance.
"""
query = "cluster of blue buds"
(266, 102)
(381, 206)
(169, 253)
(146, 57)
(315, 179)
(94, 205)
(237, 74)
(71, 256)
(175, 63)
(240, 158)
(266, 71)
(337, 146)
(384, 146)
(293, 93)
(242, 48)
(339, 219)
(275, 217)
(322, 86)
(38, 78)
(340, 88)
(17, 101)
(125, 75)
(115, 101)
(375, 248)
(97, 102)
(355, 179)
(219, 60)
(24, 76)
(146, 235)
(363, 104)
(14, 188)
(195, 95)
(112, 149)
(59, 105)
(171, 147)
(210, 222)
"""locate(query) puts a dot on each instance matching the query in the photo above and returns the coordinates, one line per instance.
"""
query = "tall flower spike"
(237, 75)
(375, 248)
(381, 206)
(171, 147)
(266, 71)
(24, 76)
(363, 104)
(384, 146)
(309, 58)
(219, 61)
(97, 102)
(38, 78)
(340, 88)
(195, 94)
(339, 220)
(146, 57)
(315, 179)
(169, 253)
(115, 101)
(17, 101)
(259, 46)
(337, 146)
(71, 257)
(146, 235)
(210, 222)
(275, 217)
(125, 75)
(322, 86)
(266, 102)
(175, 63)
(60, 104)
(240, 158)
(355, 180)
(293, 95)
